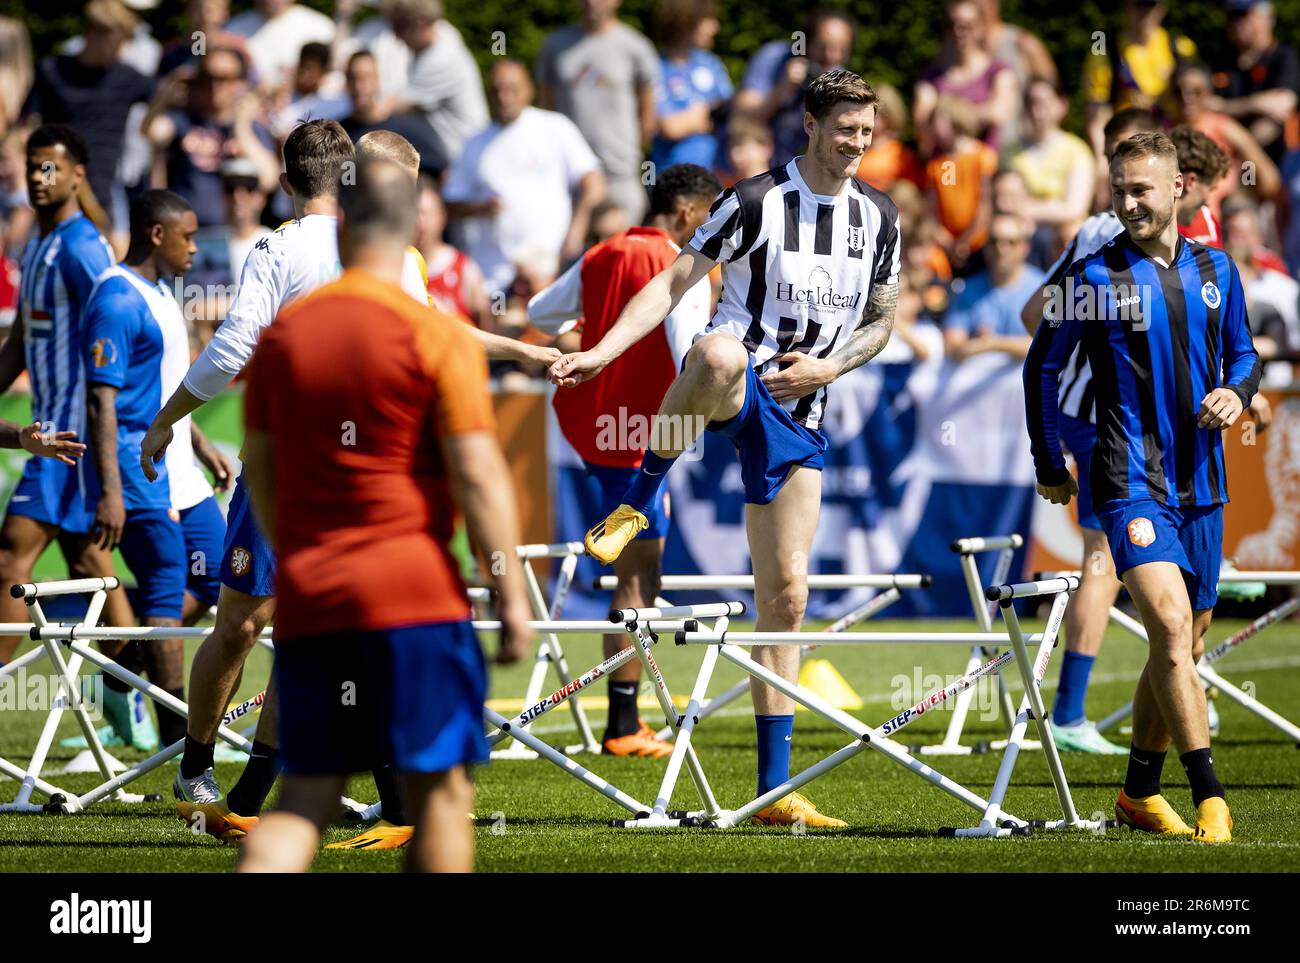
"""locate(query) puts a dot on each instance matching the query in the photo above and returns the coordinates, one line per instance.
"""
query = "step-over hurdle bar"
(643, 627)
(891, 587)
(74, 638)
(1209, 675)
(1032, 708)
(550, 654)
(967, 548)
(731, 647)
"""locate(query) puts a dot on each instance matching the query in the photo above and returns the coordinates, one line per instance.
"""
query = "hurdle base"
(985, 832)
(515, 752)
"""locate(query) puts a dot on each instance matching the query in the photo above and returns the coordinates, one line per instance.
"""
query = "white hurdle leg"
(1249, 703)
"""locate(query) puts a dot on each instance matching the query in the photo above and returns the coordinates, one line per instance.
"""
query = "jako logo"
(73, 916)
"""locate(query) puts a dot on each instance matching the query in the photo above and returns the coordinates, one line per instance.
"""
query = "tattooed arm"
(803, 374)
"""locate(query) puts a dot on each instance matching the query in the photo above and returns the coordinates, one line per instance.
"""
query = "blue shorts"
(1079, 437)
(247, 561)
(769, 441)
(1143, 530)
(416, 700)
(205, 533)
(153, 544)
(614, 483)
(56, 494)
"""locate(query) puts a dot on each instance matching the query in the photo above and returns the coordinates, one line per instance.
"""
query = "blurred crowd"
(526, 165)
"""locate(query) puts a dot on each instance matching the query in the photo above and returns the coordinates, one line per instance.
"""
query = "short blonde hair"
(111, 15)
(389, 145)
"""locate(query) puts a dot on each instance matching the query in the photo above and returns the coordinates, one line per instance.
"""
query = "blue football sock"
(643, 492)
(774, 735)
(1072, 688)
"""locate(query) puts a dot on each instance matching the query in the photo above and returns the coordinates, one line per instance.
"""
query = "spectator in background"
(985, 313)
(93, 91)
(1015, 46)
(602, 74)
(443, 84)
(959, 181)
(1135, 70)
(370, 111)
(973, 75)
(1057, 166)
(455, 281)
(1011, 196)
(524, 187)
(314, 96)
(607, 219)
(921, 251)
(1202, 164)
(1290, 226)
(208, 19)
(888, 159)
(1260, 86)
(1272, 296)
(749, 149)
(215, 124)
(1244, 152)
(772, 89)
(16, 71)
(275, 32)
(376, 35)
(694, 87)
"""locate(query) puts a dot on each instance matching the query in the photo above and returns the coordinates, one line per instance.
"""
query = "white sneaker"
(200, 789)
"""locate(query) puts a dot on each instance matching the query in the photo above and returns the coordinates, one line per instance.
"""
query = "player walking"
(810, 281)
(370, 595)
(1172, 363)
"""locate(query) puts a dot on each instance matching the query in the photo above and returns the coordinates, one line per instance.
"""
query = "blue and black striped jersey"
(1158, 339)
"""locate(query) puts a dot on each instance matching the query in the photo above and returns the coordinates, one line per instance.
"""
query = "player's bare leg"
(711, 387)
(1169, 707)
(444, 838)
(22, 540)
(285, 841)
(88, 560)
(780, 540)
(638, 573)
(164, 663)
(1086, 620)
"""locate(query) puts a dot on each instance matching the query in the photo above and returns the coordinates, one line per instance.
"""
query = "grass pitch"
(535, 818)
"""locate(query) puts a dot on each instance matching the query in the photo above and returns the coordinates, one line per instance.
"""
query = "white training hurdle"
(995, 821)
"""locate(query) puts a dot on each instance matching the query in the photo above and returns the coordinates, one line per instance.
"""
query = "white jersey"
(798, 266)
(296, 259)
(1075, 396)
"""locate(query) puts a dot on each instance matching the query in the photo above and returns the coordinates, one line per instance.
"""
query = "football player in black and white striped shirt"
(809, 285)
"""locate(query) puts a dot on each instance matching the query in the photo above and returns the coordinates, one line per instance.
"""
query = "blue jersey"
(1158, 340)
(136, 341)
(58, 273)
(700, 78)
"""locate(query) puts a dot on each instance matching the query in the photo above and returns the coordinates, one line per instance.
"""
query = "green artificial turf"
(532, 817)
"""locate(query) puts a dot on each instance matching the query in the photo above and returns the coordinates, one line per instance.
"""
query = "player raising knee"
(1163, 323)
(810, 281)
(371, 601)
(596, 289)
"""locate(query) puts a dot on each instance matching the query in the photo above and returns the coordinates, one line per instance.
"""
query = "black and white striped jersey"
(1075, 396)
(797, 266)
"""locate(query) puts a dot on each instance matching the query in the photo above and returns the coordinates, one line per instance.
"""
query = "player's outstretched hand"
(543, 355)
(516, 633)
(60, 445)
(1220, 409)
(153, 446)
(573, 369)
(1060, 494)
(799, 375)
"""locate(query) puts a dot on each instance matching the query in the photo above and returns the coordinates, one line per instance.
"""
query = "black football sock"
(1143, 777)
(1199, 766)
(171, 727)
(197, 758)
(256, 781)
(623, 718)
(390, 798)
(129, 659)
